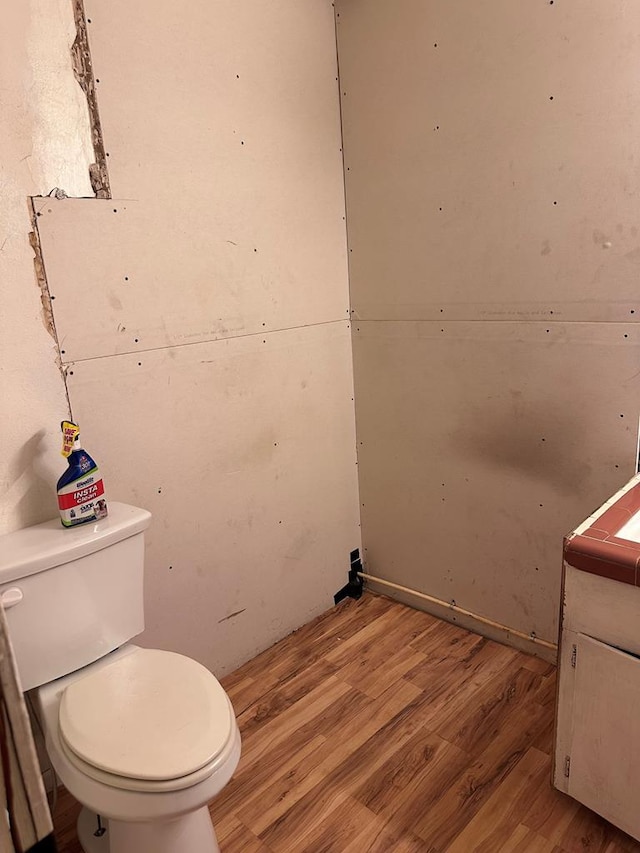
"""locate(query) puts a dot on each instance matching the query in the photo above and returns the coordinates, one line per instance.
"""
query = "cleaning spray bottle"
(80, 489)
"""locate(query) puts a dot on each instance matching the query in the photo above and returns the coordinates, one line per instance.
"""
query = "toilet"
(144, 739)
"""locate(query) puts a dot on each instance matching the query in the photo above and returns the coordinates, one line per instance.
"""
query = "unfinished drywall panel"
(44, 144)
(228, 117)
(235, 89)
(127, 276)
(492, 158)
(492, 194)
(244, 451)
(479, 443)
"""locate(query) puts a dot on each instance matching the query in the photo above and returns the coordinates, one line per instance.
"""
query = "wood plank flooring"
(379, 729)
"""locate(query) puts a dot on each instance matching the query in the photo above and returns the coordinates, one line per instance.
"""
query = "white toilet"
(141, 737)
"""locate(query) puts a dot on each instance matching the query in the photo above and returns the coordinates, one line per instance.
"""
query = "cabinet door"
(604, 769)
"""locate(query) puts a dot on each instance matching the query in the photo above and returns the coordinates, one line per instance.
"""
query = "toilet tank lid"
(43, 546)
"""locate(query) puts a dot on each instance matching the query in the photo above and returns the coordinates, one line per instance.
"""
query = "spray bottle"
(81, 495)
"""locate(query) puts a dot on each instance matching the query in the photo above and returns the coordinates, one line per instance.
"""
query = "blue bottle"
(81, 496)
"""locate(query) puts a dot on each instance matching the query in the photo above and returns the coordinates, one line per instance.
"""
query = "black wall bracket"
(353, 587)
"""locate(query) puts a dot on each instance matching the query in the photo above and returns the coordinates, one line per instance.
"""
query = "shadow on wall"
(33, 493)
(546, 450)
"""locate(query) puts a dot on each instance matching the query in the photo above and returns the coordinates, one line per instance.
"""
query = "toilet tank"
(72, 595)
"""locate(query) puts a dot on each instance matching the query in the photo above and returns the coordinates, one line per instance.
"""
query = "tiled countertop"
(594, 546)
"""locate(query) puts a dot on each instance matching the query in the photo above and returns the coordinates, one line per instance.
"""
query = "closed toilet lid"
(148, 715)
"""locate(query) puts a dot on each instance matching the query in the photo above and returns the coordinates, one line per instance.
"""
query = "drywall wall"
(45, 143)
(203, 317)
(492, 195)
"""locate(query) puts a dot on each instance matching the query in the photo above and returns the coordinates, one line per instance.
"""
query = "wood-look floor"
(379, 728)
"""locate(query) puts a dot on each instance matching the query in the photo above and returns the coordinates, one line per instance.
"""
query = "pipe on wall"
(451, 605)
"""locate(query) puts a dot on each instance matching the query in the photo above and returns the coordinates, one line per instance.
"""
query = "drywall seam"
(336, 15)
(45, 295)
(351, 312)
(83, 70)
(173, 346)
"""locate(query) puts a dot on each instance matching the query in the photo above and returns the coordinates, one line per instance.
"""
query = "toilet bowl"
(148, 774)
(142, 738)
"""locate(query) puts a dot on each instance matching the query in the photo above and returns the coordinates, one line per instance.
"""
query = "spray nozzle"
(70, 433)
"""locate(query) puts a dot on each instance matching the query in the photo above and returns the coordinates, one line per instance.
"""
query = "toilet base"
(193, 832)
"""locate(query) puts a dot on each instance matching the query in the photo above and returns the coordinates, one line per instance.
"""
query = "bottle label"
(83, 500)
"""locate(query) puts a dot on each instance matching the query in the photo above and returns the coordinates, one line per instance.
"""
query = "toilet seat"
(148, 721)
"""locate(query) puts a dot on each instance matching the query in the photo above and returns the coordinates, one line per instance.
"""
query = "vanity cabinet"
(597, 745)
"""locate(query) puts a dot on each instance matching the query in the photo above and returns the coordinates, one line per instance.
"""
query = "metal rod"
(461, 610)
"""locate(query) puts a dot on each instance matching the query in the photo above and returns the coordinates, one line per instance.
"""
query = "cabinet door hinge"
(567, 765)
(574, 655)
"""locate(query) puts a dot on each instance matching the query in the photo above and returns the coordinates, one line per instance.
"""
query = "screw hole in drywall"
(115, 209)
(170, 567)
(621, 416)
(107, 154)
(555, 202)
(139, 364)
(97, 81)
(135, 340)
(71, 373)
(632, 311)
(159, 491)
(548, 330)
(126, 278)
(626, 336)
(550, 97)
(62, 352)
(540, 504)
